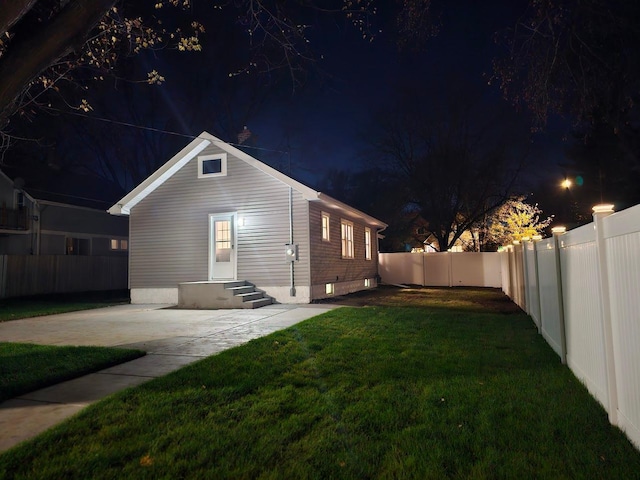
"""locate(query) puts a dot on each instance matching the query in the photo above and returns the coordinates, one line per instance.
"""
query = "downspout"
(292, 290)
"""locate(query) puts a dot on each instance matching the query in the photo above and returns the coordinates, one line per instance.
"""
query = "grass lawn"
(26, 307)
(459, 386)
(26, 367)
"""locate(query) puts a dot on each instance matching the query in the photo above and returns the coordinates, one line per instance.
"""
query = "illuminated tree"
(515, 220)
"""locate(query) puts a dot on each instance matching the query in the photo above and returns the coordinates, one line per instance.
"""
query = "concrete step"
(260, 302)
(241, 289)
(247, 297)
(235, 283)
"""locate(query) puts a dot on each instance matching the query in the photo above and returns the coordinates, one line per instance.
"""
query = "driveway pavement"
(171, 337)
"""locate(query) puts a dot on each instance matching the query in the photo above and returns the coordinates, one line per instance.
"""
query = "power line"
(159, 130)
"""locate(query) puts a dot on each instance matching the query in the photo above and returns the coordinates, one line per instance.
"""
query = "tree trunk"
(25, 60)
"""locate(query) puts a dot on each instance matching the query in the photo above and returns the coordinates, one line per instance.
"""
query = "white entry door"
(222, 246)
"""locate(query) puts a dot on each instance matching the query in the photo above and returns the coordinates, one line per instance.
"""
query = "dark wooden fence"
(22, 275)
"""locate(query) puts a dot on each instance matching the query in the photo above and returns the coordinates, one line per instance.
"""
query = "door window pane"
(223, 240)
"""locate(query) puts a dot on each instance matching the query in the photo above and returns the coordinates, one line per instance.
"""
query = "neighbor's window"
(77, 246)
(346, 228)
(328, 288)
(212, 165)
(119, 244)
(367, 243)
(325, 226)
(367, 282)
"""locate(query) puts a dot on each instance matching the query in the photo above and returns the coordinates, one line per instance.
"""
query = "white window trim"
(367, 243)
(223, 165)
(347, 247)
(328, 217)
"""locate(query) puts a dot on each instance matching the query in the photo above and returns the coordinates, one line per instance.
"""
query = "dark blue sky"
(327, 120)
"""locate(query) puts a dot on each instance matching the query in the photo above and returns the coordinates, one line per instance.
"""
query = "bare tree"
(458, 161)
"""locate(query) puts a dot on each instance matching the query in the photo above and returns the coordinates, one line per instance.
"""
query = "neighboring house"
(41, 220)
(214, 213)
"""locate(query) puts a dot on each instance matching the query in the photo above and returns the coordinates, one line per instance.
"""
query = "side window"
(77, 246)
(346, 231)
(325, 227)
(119, 244)
(367, 243)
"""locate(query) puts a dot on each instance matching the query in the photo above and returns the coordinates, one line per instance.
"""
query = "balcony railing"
(14, 219)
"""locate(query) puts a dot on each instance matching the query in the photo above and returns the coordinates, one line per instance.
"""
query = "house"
(214, 214)
(57, 213)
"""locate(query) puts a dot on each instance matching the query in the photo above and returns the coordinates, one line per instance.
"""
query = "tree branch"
(57, 39)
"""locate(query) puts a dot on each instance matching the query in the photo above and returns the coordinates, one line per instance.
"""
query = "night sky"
(323, 124)
(331, 119)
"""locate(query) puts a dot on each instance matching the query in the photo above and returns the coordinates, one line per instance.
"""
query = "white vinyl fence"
(582, 290)
(446, 269)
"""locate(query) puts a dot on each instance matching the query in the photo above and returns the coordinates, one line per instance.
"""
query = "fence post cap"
(558, 230)
(536, 238)
(603, 208)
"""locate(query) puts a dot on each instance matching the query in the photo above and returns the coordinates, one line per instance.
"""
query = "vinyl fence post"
(557, 232)
(536, 239)
(525, 276)
(600, 212)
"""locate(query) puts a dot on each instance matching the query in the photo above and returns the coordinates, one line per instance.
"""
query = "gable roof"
(202, 141)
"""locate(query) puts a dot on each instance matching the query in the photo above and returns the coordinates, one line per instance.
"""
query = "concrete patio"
(171, 337)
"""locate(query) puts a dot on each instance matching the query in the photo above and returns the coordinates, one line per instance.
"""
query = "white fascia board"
(124, 206)
(349, 210)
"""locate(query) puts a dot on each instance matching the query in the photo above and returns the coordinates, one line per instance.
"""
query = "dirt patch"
(465, 298)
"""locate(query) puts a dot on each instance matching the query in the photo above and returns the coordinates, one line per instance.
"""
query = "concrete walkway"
(172, 339)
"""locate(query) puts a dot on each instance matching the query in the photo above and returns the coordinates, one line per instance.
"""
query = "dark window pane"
(212, 166)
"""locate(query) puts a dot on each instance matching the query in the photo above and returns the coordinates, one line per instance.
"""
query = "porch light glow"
(241, 221)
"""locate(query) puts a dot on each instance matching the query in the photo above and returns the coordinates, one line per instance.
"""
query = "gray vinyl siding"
(327, 264)
(169, 237)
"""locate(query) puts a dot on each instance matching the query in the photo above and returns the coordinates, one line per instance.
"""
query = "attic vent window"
(212, 165)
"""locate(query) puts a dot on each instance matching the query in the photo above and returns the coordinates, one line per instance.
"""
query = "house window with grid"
(346, 228)
(325, 226)
(367, 243)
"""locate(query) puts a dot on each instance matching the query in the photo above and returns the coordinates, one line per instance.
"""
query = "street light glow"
(566, 183)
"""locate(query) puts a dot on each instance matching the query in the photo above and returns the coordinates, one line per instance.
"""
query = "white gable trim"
(166, 171)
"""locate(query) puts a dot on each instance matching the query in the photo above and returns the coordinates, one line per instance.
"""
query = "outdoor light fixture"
(241, 221)
(566, 183)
